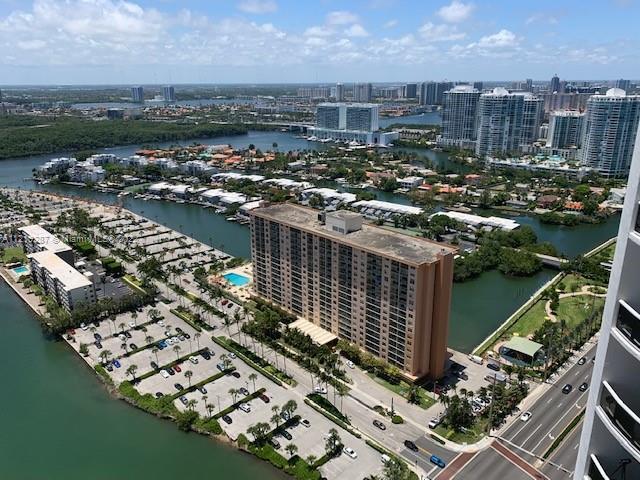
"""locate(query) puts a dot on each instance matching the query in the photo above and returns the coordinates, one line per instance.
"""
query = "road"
(565, 456)
(491, 464)
(553, 412)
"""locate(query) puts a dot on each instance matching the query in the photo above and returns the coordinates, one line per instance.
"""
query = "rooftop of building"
(412, 250)
(45, 239)
(68, 276)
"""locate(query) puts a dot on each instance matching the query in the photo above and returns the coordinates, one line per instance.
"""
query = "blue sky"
(280, 41)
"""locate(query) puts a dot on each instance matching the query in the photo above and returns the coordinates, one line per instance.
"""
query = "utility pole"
(493, 400)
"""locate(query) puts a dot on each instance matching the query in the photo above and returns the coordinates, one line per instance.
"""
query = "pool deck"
(244, 291)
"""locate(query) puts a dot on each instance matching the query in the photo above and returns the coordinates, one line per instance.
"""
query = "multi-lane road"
(522, 444)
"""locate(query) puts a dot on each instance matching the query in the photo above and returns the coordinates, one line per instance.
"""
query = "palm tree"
(188, 374)
(155, 350)
(131, 370)
(291, 449)
(148, 339)
(177, 349)
(253, 377)
(122, 325)
(233, 392)
(311, 460)
(104, 355)
(191, 404)
(210, 408)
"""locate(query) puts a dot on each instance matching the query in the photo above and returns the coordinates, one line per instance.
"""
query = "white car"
(320, 389)
(232, 355)
(193, 359)
(350, 452)
(525, 416)
(245, 407)
(132, 324)
(350, 364)
(164, 373)
(161, 323)
(83, 326)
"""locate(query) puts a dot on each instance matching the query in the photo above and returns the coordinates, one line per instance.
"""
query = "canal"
(60, 410)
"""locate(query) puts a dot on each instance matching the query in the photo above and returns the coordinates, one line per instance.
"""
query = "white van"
(476, 359)
(385, 458)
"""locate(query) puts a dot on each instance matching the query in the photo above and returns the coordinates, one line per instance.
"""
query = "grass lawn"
(573, 283)
(133, 282)
(575, 310)
(11, 253)
(606, 255)
(402, 388)
(472, 435)
(530, 321)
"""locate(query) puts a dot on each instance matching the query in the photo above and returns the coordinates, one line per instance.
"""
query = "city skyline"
(251, 41)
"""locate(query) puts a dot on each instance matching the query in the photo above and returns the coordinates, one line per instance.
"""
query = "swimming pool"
(21, 270)
(236, 279)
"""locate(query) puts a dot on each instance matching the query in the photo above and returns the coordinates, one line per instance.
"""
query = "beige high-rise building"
(385, 292)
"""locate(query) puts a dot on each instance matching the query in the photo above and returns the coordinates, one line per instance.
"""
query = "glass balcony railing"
(628, 323)
(596, 472)
(624, 419)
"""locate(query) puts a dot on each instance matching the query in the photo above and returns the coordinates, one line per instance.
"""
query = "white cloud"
(504, 38)
(258, 7)
(318, 31)
(391, 24)
(356, 30)
(541, 18)
(456, 11)
(440, 33)
(341, 17)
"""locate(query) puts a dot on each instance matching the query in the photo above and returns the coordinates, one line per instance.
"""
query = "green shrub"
(186, 419)
(397, 419)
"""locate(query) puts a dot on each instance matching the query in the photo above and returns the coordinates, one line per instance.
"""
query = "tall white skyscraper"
(610, 442)
(459, 125)
(610, 126)
(499, 122)
(137, 94)
(169, 93)
(339, 92)
(362, 92)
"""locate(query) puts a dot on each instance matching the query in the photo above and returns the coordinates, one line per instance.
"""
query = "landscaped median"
(246, 399)
(559, 439)
(254, 361)
(210, 379)
(317, 402)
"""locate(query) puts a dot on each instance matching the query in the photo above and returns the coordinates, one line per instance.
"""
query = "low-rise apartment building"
(35, 239)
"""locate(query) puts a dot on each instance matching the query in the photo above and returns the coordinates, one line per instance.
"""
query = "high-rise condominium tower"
(385, 292)
(499, 122)
(610, 442)
(459, 126)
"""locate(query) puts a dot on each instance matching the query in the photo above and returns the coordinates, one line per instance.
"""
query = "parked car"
(525, 416)
(181, 337)
(193, 359)
(202, 390)
(320, 389)
(109, 367)
(170, 370)
(83, 326)
(98, 345)
(583, 387)
(567, 388)
(379, 424)
(160, 322)
(582, 361)
(133, 346)
(220, 366)
(184, 400)
(179, 330)
(245, 407)
(437, 461)
(384, 458)
(116, 363)
(244, 391)
(227, 419)
(122, 337)
(264, 398)
(132, 325)
(127, 334)
(177, 368)
(186, 335)
(493, 366)
(236, 374)
(178, 386)
(97, 336)
(411, 446)
(434, 423)
(274, 443)
(305, 422)
(154, 365)
(205, 355)
(285, 433)
(350, 452)
(159, 394)
(231, 355)
(350, 364)
(164, 373)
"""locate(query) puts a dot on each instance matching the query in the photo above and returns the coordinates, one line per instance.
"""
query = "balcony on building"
(608, 459)
(621, 406)
(628, 323)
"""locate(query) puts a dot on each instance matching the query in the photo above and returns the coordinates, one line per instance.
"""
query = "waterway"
(56, 407)
(59, 423)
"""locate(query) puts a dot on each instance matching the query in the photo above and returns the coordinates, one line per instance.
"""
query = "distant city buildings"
(410, 90)
(499, 122)
(137, 94)
(432, 93)
(532, 116)
(565, 129)
(387, 293)
(610, 126)
(362, 92)
(554, 85)
(339, 96)
(623, 85)
(169, 94)
(609, 442)
(350, 122)
(459, 117)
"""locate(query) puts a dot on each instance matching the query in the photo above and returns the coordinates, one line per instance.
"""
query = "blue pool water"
(236, 279)
(20, 270)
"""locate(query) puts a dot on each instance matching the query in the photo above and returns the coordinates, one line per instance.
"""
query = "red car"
(264, 398)
(177, 368)
(224, 302)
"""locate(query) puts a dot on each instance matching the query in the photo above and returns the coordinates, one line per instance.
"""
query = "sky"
(306, 41)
